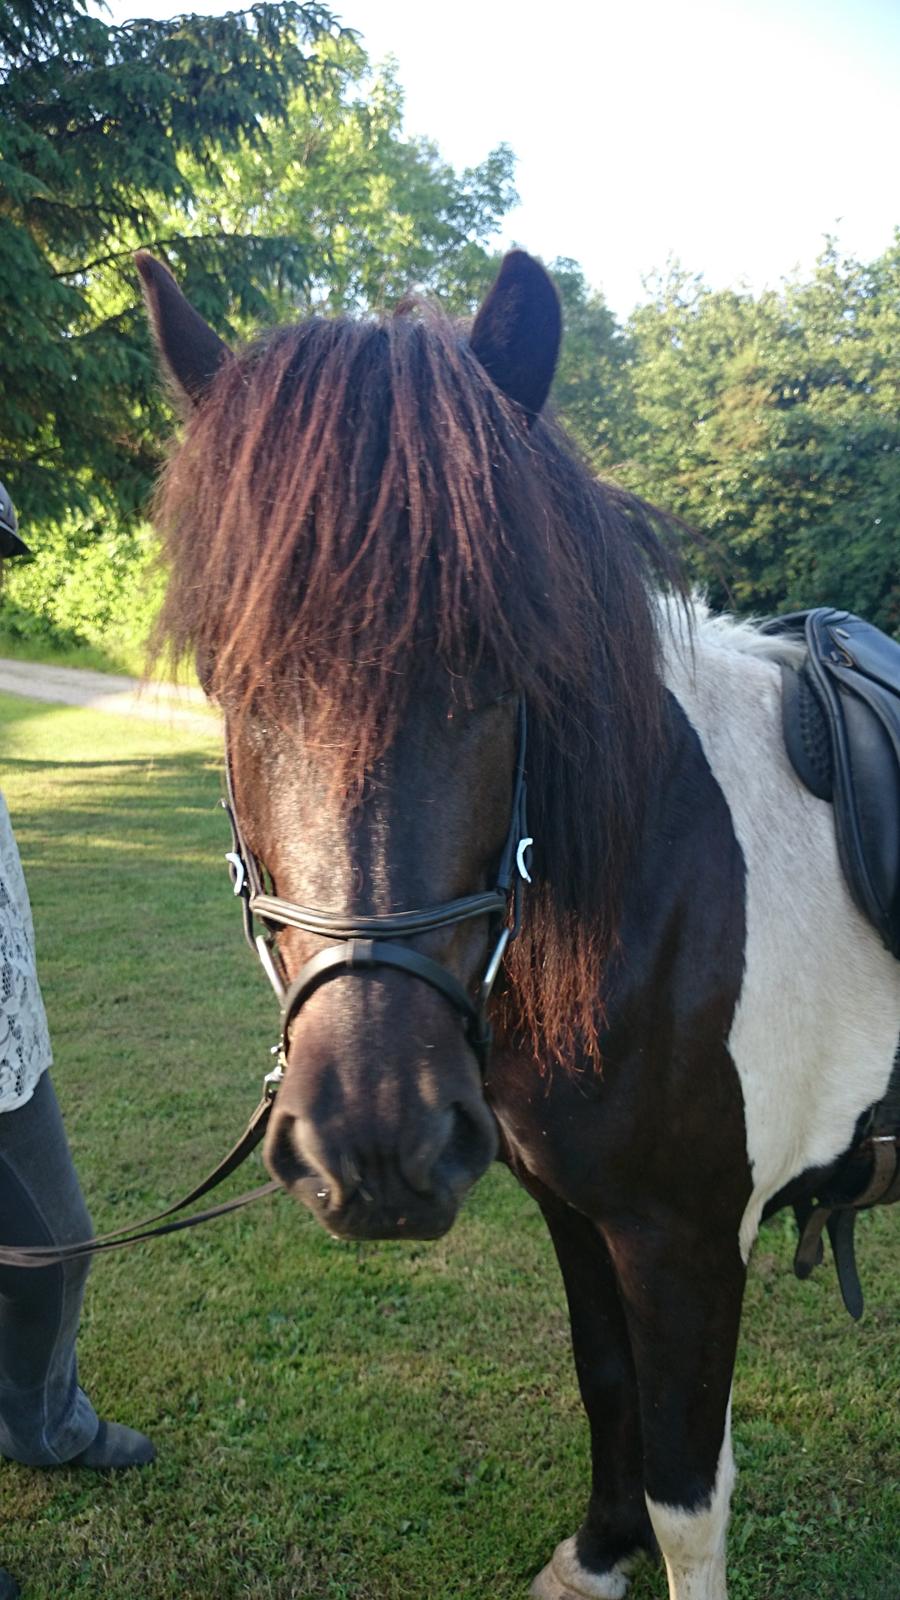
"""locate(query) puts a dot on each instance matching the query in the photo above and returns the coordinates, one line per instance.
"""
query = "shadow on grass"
(196, 761)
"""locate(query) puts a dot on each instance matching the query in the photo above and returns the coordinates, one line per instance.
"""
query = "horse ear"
(192, 353)
(517, 332)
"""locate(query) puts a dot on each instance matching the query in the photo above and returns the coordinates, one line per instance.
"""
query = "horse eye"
(464, 710)
(455, 712)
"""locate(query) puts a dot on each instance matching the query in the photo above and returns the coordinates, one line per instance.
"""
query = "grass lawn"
(128, 660)
(334, 1421)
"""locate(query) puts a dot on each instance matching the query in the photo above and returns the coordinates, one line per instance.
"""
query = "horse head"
(370, 533)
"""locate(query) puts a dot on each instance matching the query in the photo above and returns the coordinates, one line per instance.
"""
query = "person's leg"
(45, 1418)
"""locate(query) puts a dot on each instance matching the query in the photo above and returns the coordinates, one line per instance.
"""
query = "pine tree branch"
(155, 244)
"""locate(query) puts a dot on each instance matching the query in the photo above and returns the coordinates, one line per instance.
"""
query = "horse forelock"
(355, 509)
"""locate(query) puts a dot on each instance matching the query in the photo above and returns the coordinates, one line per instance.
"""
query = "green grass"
(56, 653)
(126, 657)
(334, 1421)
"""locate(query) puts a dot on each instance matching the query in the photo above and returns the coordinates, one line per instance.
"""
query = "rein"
(364, 944)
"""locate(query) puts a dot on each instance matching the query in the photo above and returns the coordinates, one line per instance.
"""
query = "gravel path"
(101, 691)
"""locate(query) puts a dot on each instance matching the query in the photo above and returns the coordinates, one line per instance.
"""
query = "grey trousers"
(45, 1418)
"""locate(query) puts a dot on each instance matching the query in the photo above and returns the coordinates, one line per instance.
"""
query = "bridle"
(363, 945)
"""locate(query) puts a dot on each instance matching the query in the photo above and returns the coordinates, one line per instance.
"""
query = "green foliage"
(773, 426)
(89, 596)
(258, 155)
(376, 215)
(592, 390)
(238, 155)
(103, 130)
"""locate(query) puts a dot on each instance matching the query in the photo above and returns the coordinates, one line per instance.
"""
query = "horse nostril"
(455, 1150)
(452, 1148)
(282, 1158)
(297, 1157)
(470, 1148)
(418, 1164)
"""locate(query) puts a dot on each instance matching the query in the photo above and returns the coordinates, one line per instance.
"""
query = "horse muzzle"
(406, 1186)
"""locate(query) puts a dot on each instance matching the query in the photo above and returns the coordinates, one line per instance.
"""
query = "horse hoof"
(564, 1578)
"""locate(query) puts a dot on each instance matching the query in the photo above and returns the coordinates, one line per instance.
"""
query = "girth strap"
(839, 1216)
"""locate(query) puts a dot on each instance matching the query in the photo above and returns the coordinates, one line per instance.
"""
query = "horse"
(572, 894)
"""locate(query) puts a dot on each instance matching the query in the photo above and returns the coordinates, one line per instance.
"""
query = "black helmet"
(10, 543)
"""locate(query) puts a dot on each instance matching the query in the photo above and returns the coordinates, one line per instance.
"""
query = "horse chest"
(658, 1121)
(629, 1140)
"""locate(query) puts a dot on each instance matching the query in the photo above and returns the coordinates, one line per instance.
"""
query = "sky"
(732, 135)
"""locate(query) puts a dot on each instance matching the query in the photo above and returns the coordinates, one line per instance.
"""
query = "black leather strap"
(41, 1256)
(362, 955)
(402, 925)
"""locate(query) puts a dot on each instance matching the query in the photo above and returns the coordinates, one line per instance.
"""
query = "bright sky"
(732, 134)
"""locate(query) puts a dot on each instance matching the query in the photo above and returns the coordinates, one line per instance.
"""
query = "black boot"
(9, 1589)
(113, 1447)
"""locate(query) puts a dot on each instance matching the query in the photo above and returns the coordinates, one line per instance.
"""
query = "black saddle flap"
(842, 730)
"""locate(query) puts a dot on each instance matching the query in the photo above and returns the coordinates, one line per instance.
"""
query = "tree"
(259, 155)
(102, 129)
(842, 435)
(375, 214)
(772, 425)
(592, 391)
(252, 151)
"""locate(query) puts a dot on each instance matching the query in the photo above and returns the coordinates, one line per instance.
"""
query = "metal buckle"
(524, 844)
(238, 870)
(272, 1079)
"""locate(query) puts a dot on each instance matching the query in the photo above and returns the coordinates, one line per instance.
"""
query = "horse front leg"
(592, 1564)
(682, 1289)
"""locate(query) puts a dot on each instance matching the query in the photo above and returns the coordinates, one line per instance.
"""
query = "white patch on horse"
(818, 1018)
(680, 626)
(564, 1578)
(693, 1542)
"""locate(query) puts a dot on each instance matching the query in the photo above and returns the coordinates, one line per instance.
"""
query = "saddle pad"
(841, 715)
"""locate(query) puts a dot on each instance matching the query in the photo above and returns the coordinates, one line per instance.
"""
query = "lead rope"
(154, 1226)
(166, 1221)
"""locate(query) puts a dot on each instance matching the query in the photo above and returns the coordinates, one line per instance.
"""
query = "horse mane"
(354, 506)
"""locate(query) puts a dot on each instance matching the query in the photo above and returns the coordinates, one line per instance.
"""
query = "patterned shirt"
(24, 1037)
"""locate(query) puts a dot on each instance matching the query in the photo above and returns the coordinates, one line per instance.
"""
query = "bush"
(87, 591)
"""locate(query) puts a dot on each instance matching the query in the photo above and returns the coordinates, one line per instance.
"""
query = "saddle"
(841, 714)
(841, 719)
